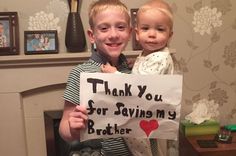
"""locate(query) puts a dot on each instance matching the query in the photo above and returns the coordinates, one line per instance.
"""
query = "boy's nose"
(113, 33)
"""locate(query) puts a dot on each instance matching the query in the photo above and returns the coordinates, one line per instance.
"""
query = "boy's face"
(153, 30)
(111, 32)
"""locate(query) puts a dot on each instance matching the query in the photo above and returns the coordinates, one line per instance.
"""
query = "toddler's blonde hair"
(160, 5)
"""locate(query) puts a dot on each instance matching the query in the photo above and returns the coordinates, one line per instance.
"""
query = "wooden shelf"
(14, 61)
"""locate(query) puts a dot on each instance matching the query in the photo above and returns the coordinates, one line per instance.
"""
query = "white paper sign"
(129, 105)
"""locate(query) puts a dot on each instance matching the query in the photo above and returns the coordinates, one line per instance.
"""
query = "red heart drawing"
(148, 126)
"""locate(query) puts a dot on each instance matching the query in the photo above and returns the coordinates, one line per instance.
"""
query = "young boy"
(110, 32)
(154, 30)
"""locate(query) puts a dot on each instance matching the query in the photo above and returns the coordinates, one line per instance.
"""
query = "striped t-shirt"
(111, 146)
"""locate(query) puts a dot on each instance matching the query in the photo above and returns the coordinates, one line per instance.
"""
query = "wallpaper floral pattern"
(205, 43)
(205, 19)
(210, 54)
(49, 18)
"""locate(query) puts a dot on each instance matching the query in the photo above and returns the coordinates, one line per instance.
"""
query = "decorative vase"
(75, 38)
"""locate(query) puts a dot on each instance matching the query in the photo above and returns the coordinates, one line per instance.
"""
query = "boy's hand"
(107, 68)
(77, 119)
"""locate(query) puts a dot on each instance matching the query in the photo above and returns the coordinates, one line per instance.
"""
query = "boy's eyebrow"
(108, 24)
(121, 22)
(102, 25)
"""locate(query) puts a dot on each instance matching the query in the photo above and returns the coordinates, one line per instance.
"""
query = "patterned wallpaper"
(204, 40)
(205, 43)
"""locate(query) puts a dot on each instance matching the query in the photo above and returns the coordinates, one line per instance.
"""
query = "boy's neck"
(114, 62)
(100, 58)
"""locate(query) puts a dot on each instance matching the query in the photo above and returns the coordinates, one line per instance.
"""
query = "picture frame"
(135, 44)
(9, 33)
(41, 42)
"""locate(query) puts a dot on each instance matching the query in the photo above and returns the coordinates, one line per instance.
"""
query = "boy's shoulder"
(88, 66)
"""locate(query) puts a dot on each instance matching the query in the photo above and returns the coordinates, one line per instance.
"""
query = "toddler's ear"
(170, 37)
(171, 34)
(90, 34)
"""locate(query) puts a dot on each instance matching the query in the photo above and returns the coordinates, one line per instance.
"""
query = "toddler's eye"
(144, 28)
(161, 29)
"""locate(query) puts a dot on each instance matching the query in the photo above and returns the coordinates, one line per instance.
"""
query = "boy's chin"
(111, 54)
(114, 51)
(115, 54)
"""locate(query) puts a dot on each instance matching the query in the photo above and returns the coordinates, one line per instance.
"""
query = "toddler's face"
(111, 32)
(153, 30)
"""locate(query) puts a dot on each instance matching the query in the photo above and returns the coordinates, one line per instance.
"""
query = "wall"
(206, 52)
(204, 39)
(25, 93)
(50, 13)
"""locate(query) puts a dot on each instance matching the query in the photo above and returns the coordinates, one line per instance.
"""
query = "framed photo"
(135, 44)
(9, 33)
(41, 42)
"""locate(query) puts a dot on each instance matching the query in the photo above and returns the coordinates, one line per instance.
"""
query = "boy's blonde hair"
(101, 5)
(160, 5)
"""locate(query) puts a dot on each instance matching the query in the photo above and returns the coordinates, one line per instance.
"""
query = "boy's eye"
(121, 27)
(103, 29)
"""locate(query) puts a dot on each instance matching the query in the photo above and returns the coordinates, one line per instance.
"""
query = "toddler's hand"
(107, 68)
(130, 62)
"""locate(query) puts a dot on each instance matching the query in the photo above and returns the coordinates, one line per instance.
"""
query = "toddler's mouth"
(151, 42)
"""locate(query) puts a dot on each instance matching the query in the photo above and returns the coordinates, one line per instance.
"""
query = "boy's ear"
(130, 32)
(90, 34)
(136, 33)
